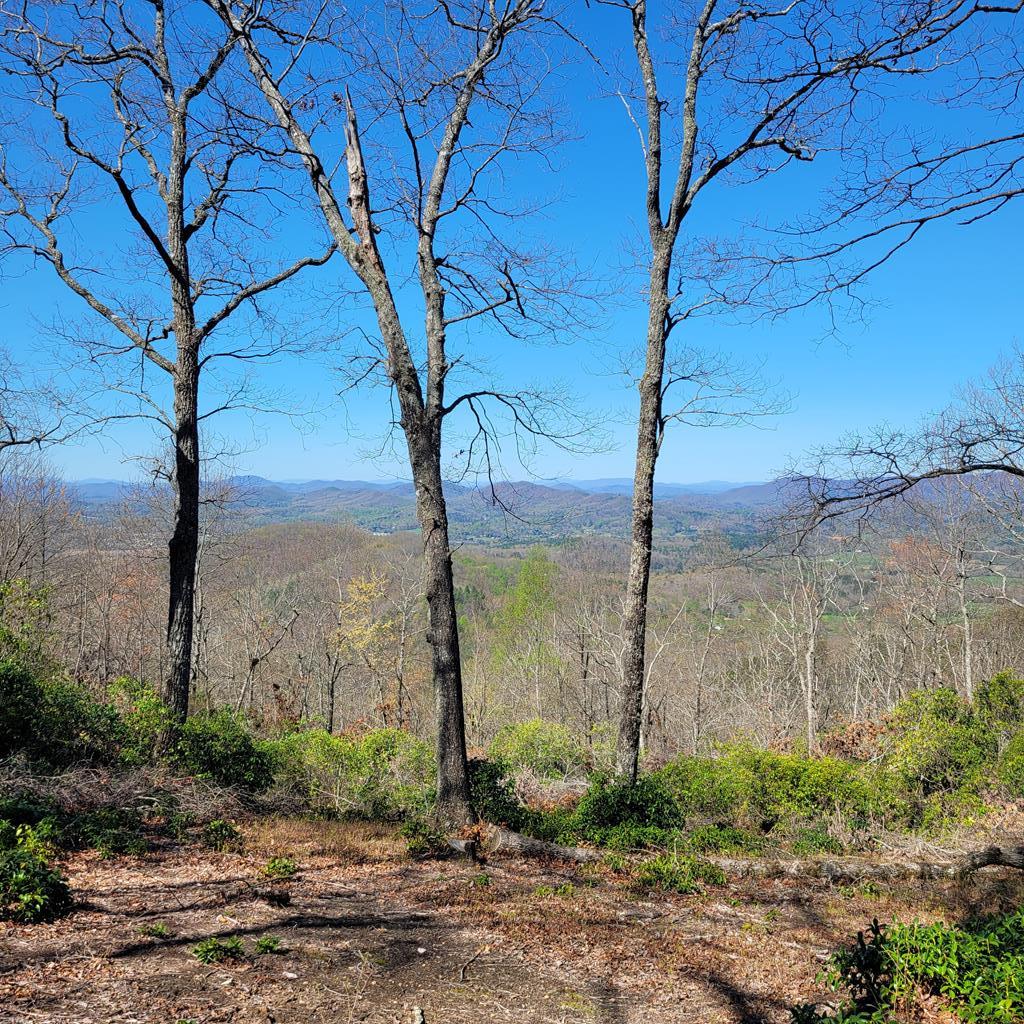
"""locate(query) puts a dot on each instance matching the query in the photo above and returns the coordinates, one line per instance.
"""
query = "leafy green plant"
(1009, 768)
(424, 839)
(268, 944)
(279, 868)
(221, 835)
(147, 720)
(723, 839)
(670, 872)
(180, 824)
(156, 930)
(220, 746)
(382, 774)
(214, 950)
(31, 889)
(546, 748)
(111, 831)
(810, 841)
(647, 803)
(54, 722)
(977, 970)
(937, 746)
(493, 796)
(566, 890)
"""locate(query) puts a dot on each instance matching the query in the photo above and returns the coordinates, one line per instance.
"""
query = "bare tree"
(134, 103)
(453, 92)
(761, 86)
(980, 436)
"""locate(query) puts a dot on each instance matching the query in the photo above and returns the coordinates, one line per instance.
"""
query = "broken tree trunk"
(859, 868)
(502, 840)
(493, 839)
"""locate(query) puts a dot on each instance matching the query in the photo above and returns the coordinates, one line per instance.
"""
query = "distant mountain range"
(515, 513)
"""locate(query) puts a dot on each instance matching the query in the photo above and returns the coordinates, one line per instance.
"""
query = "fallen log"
(852, 869)
(494, 839)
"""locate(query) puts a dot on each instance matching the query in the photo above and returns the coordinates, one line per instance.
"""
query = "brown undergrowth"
(365, 934)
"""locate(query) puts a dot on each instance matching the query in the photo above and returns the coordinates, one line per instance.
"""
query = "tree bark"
(649, 434)
(453, 796)
(183, 548)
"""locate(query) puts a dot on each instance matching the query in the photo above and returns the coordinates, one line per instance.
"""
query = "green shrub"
(147, 720)
(213, 950)
(221, 835)
(30, 888)
(24, 623)
(381, 774)
(1010, 767)
(937, 744)
(156, 930)
(810, 841)
(672, 873)
(647, 803)
(424, 839)
(704, 786)
(977, 970)
(492, 794)
(268, 944)
(764, 788)
(24, 808)
(111, 831)
(54, 722)
(279, 868)
(220, 746)
(723, 839)
(999, 704)
(624, 838)
(546, 748)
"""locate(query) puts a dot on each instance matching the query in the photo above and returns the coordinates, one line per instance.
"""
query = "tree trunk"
(183, 549)
(634, 626)
(453, 797)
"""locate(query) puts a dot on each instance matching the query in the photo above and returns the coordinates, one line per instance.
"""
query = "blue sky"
(942, 312)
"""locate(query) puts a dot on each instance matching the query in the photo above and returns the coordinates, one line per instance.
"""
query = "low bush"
(723, 839)
(221, 835)
(648, 803)
(220, 746)
(493, 796)
(214, 951)
(54, 722)
(548, 749)
(111, 831)
(977, 971)
(424, 839)
(279, 869)
(670, 872)
(938, 746)
(1009, 770)
(31, 889)
(146, 719)
(809, 841)
(383, 774)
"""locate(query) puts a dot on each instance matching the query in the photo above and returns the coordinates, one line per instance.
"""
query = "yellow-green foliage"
(765, 788)
(547, 748)
(383, 773)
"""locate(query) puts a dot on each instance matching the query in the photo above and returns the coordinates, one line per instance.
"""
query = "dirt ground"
(368, 935)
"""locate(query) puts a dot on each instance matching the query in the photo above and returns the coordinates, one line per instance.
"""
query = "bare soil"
(369, 934)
